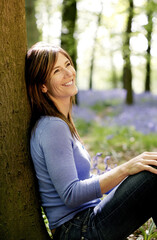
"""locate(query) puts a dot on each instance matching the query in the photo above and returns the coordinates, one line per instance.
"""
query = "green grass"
(107, 107)
(124, 142)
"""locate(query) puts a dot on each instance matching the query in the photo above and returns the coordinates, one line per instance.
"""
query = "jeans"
(119, 214)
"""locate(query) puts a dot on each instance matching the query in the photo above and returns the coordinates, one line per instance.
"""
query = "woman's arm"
(140, 163)
(57, 146)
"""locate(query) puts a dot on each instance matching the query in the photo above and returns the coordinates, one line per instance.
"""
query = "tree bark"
(20, 215)
(127, 71)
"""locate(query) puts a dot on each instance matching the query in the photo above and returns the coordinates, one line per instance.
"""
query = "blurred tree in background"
(151, 7)
(127, 71)
(33, 33)
(68, 36)
(68, 39)
(94, 47)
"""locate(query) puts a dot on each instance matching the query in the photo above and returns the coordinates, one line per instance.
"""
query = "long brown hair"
(40, 60)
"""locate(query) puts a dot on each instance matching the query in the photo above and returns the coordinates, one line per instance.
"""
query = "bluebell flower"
(142, 115)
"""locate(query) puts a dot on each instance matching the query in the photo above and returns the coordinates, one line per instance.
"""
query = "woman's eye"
(56, 71)
(68, 64)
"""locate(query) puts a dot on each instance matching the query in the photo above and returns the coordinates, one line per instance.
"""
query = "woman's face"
(61, 85)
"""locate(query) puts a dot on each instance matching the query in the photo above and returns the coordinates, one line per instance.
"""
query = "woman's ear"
(44, 88)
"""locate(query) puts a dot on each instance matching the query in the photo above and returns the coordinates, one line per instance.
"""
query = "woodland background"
(112, 43)
(113, 47)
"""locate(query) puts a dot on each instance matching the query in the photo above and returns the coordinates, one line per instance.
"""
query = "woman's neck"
(63, 106)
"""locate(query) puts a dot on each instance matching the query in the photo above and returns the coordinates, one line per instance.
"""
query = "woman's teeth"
(69, 83)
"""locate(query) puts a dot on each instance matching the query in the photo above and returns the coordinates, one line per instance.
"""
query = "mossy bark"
(20, 217)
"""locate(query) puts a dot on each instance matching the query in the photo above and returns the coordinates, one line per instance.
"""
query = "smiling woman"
(61, 85)
(70, 195)
(50, 80)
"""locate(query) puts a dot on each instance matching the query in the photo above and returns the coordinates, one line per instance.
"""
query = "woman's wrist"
(124, 169)
(112, 178)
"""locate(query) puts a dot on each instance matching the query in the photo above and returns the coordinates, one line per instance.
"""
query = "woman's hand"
(143, 162)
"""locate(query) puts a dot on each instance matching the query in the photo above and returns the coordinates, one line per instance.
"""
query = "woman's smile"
(68, 83)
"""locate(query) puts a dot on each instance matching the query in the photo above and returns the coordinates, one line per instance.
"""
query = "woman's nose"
(67, 73)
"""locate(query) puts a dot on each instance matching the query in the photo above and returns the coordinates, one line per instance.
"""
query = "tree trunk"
(114, 78)
(148, 71)
(20, 217)
(33, 34)
(68, 40)
(149, 29)
(127, 72)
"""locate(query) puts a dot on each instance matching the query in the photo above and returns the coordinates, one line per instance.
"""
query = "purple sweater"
(62, 167)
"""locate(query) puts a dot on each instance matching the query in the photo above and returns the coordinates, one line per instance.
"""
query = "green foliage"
(106, 106)
(123, 142)
(83, 127)
(46, 222)
(149, 232)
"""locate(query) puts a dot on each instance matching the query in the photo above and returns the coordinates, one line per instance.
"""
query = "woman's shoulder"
(51, 121)
(49, 124)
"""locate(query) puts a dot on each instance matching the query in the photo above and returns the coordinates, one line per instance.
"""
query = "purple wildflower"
(142, 115)
(95, 163)
(107, 168)
(108, 137)
(95, 166)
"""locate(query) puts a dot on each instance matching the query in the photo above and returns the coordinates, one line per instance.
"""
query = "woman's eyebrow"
(56, 67)
(64, 64)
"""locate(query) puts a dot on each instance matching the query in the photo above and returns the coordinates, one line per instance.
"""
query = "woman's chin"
(75, 91)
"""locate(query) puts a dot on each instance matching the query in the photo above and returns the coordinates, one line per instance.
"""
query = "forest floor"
(109, 108)
(107, 125)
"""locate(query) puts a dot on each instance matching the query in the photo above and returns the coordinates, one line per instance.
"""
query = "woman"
(70, 195)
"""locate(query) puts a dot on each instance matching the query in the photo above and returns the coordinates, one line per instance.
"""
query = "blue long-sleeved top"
(62, 167)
